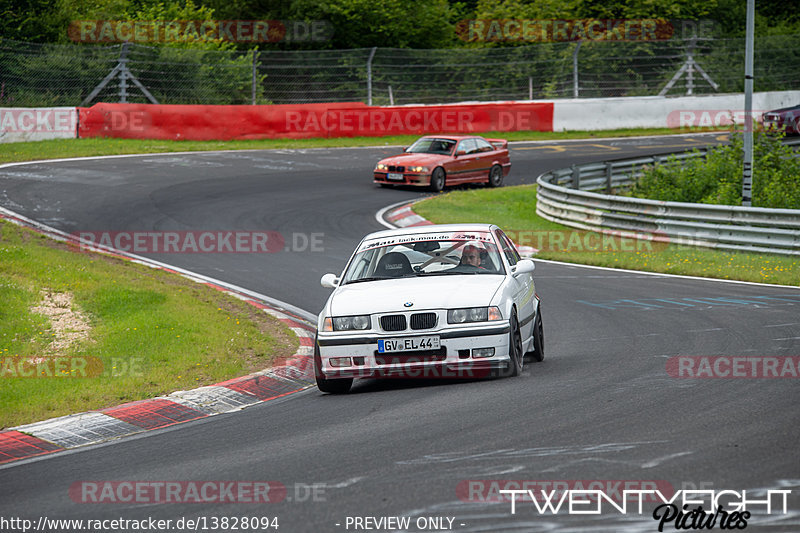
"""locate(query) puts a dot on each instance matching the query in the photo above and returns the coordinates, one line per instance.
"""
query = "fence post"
(576, 177)
(369, 74)
(255, 67)
(530, 87)
(123, 73)
(391, 96)
(575, 69)
(609, 173)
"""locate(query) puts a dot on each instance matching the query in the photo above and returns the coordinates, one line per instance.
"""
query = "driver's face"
(471, 257)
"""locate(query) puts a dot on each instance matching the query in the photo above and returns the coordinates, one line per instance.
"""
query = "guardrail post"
(576, 177)
(609, 174)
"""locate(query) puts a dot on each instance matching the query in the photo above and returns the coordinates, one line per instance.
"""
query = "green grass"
(63, 148)
(153, 331)
(514, 210)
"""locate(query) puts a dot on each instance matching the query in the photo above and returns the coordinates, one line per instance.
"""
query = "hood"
(434, 292)
(783, 110)
(415, 159)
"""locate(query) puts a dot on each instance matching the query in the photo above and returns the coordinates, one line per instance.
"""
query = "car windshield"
(431, 145)
(410, 256)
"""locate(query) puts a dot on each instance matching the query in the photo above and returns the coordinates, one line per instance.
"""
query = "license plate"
(408, 344)
(395, 176)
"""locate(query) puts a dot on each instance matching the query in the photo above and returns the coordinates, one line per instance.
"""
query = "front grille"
(423, 320)
(397, 168)
(393, 322)
(422, 356)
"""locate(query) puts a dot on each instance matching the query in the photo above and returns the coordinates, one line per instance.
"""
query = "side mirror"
(405, 148)
(524, 266)
(460, 152)
(329, 281)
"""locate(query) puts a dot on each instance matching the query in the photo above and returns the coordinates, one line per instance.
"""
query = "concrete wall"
(663, 112)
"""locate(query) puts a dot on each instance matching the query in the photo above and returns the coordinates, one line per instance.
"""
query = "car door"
(484, 156)
(465, 163)
(523, 287)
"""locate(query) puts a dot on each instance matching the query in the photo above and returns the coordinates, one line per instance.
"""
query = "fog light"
(479, 353)
(342, 361)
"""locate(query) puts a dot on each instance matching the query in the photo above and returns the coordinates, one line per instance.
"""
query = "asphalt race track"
(602, 406)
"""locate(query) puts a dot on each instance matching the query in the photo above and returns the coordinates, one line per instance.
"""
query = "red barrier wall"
(351, 119)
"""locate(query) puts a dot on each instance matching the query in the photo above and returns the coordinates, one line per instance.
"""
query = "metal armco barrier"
(565, 196)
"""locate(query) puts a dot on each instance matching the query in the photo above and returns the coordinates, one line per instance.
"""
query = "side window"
(508, 248)
(468, 145)
(483, 146)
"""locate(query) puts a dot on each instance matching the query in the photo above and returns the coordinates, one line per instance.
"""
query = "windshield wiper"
(443, 273)
(359, 280)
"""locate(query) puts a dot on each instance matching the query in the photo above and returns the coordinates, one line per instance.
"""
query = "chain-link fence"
(52, 75)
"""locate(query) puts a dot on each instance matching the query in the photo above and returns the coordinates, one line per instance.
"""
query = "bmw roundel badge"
(408, 304)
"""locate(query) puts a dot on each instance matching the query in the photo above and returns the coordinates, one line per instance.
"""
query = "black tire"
(438, 179)
(331, 386)
(537, 354)
(514, 367)
(496, 176)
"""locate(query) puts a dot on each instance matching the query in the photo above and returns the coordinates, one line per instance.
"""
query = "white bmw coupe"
(431, 301)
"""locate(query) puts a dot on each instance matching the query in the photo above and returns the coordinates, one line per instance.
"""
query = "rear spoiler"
(500, 144)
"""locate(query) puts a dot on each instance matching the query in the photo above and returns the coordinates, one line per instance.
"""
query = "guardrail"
(566, 196)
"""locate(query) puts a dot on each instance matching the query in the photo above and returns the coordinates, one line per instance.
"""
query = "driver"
(471, 255)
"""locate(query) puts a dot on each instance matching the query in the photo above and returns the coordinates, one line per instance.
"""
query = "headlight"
(473, 314)
(348, 323)
(418, 169)
(381, 166)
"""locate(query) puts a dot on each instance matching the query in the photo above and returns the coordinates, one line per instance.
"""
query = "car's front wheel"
(538, 339)
(331, 386)
(496, 176)
(515, 353)
(437, 179)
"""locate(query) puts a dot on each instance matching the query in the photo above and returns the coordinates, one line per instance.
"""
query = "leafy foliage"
(717, 178)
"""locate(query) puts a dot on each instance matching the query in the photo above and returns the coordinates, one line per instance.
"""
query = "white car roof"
(430, 228)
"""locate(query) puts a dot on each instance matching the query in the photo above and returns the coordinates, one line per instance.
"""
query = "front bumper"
(454, 359)
(409, 178)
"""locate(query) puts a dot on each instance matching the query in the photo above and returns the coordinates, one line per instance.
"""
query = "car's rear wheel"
(496, 176)
(515, 363)
(331, 386)
(537, 354)
(437, 179)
